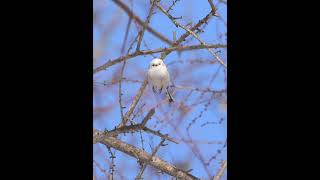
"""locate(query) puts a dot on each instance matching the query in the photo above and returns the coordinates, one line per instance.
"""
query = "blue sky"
(191, 11)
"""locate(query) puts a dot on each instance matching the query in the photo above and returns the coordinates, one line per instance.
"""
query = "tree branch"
(141, 23)
(157, 133)
(141, 155)
(145, 164)
(147, 52)
(164, 52)
(138, 127)
(201, 89)
(148, 116)
(134, 103)
(120, 89)
(145, 82)
(211, 5)
(191, 32)
(220, 172)
(195, 27)
(145, 25)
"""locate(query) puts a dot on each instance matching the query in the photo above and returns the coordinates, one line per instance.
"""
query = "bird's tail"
(170, 97)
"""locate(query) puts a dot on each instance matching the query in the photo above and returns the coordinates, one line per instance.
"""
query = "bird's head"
(156, 63)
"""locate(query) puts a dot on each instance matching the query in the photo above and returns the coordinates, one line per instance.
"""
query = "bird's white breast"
(158, 76)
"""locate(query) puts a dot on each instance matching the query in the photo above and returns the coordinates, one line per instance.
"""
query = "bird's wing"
(166, 77)
(149, 76)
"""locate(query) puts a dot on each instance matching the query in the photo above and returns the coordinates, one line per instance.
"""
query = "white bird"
(158, 77)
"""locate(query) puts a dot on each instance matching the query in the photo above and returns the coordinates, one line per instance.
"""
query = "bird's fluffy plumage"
(158, 76)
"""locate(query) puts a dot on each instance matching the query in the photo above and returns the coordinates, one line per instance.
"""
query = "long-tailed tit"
(158, 77)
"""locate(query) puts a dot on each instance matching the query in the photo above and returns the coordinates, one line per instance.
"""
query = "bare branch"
(134, 103)
(164, 50)
(191, 32)
(120, 89)
(193, 95)
(112, 163)
(121, 74)
(145, 25)
(138, 112)
(145, 82)
(104, 83)
(145, 164)
(135, 128)
(140, 22)
(126, 34)
(211, 5)
(147, 52)
(132, 128)
(142, 156)
(195, 27)
(160, 135)
(138, 127)
(200, 89)
(200, 114)
(201, 142)
(220, 172)
(104, 171)
(219, 151)
(173, 4)
(148, 116)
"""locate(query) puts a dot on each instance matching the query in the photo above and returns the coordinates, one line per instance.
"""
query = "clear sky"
(109, 48)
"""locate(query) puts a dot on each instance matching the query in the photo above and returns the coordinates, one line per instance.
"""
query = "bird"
(159, 77)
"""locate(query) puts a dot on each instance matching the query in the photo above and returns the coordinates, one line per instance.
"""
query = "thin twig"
(123, 128)
(141, 138)
(211, 5)
(145, 24)
(134, 103)
(195, 27)
(140, 22)
(147, 117)
(192, 146)
(121, 79)
(147, 52)
(104, 83)
(122, 71)
(138, 112)
(195, 150)
(200, 89)
(112, 163)
(135, 128)
(138, 127)
(173, 4)
(131, 45)
(143, 156)
(160, 135)
(145, 82)
(137, 98)
(219, 151)
(138, 177)
(220, 172)
(104, 171)
(201, 141)
(126, 35)
(193, 121)
(191, 32)
(120, 89)
(193, 61)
